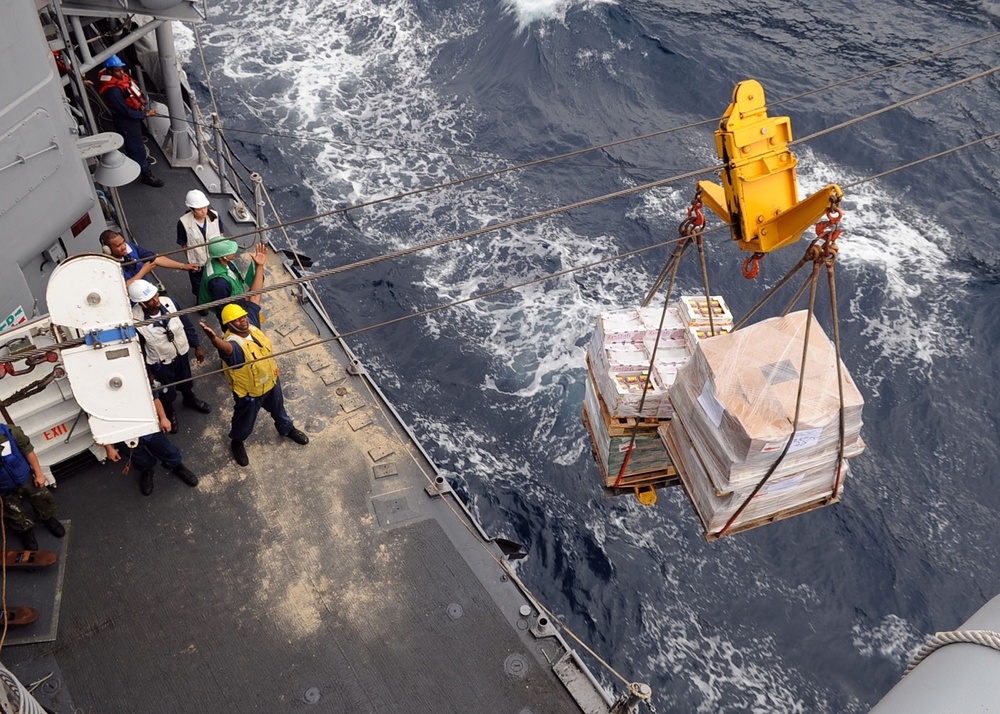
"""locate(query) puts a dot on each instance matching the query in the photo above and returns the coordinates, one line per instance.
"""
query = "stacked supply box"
(734, 404)
(649, 461)
(704, 319)
(620, 362)
(778, 499)
(624, 343)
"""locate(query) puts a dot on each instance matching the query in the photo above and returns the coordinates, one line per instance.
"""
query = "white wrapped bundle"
(694, 311)
(780, 497)
(737, 398)
(734, 404)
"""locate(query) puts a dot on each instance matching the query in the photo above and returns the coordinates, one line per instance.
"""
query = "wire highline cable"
(646, 186)
(370, 261)
(618, 142)
(438, 308)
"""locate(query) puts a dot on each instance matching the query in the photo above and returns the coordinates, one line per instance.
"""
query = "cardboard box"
(694, 310)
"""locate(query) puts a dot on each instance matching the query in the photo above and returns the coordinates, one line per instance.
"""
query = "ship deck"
(343, 576)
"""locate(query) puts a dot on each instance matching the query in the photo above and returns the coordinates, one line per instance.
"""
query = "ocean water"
(342, 102)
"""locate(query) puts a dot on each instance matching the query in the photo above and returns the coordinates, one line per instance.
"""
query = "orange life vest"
(134, 98)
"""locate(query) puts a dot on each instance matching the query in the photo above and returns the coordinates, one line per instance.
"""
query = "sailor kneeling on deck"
(251, 371)
(21, 479)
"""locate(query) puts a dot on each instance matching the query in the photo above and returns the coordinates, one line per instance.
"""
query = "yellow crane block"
(759, 192)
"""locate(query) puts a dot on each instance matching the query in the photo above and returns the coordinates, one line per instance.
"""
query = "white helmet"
(196, 199)
(141, 290)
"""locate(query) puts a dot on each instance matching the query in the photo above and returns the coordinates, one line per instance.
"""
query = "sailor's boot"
(55, 527)
(240, 453)
(150, 180)
(185, 474)
(146, 482)
(199, 405)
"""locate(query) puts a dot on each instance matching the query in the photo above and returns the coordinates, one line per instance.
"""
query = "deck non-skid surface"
(38, 587)
(244, 594)
(301, 582)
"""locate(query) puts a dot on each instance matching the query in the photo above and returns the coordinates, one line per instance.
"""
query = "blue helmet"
(113, 61)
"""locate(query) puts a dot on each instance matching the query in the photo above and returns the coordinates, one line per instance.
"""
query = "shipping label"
(804, 440)
(712, 406)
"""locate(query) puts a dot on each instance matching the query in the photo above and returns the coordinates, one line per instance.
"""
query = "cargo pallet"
(656, 478)
(745, 525)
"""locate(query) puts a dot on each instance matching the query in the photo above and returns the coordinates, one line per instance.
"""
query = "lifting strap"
(821, 252)
(690, 232)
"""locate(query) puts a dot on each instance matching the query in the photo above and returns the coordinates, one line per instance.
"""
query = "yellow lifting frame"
(759, 193)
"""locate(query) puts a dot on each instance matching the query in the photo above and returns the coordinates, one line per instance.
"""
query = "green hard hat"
(222, 246)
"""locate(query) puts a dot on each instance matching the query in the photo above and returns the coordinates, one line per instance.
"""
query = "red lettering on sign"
(55, 431)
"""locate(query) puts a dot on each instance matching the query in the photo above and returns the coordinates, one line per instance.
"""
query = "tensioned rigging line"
(618, 142)
(923, 160)
(573, 206)
(432, 244)
(564, 208)
(430, 310)
(897, 105)
(470, 234)
(305, 279)
(497, 172)
(376, 259)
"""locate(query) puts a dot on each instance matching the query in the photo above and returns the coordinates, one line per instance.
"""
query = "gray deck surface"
(300, 571)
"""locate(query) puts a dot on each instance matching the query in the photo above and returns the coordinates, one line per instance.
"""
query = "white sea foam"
(893, 638)
(354, 79)
(902, 256)
(530, 11)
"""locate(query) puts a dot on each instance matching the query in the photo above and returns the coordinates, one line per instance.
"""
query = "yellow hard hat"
(232, 312)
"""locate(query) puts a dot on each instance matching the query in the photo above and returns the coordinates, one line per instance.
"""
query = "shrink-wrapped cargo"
(626, 341)
(620, 367)
(779, 498)
(734, 404)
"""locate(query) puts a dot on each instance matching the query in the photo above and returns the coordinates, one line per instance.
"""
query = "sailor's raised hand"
(260, 254)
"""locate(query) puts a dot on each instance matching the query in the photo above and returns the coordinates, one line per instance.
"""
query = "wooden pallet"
(779, 516)
(647, 478)
(745, 525)
(658, 484)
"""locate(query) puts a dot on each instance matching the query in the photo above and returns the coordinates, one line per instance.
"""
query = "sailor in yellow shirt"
(251, 371)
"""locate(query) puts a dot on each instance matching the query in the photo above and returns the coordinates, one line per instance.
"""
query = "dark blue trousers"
(195, 278)
(179, 369)
(245, 410)
(150, 449)
(131, 131)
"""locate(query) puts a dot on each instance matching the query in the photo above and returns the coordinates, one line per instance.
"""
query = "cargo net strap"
(986, 638)
(822, 252)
